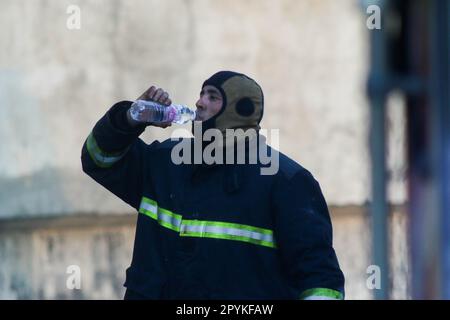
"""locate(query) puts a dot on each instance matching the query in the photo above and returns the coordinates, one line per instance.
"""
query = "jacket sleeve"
(113, 155)
(303, 233)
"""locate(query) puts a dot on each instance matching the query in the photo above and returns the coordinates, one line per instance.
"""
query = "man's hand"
(156, 95)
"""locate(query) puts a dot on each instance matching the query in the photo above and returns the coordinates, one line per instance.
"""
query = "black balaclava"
(243, 102)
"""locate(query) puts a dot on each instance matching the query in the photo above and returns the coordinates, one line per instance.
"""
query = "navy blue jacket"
(217, 231)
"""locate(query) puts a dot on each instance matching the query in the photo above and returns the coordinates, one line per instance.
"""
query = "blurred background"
(330, 76)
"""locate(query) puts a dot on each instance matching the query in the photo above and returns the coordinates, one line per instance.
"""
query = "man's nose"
(199, 104)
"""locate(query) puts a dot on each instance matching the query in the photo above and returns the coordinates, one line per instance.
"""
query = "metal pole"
(379, 207)
(440, 146)
(429, 152)
(377, 88)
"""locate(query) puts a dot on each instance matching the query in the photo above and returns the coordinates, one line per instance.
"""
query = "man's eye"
(213, 98)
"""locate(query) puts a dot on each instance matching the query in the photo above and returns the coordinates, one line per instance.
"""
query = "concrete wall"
(35, 255)
(309, 56)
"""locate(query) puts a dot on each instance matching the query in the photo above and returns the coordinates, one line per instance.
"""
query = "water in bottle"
(150, 111)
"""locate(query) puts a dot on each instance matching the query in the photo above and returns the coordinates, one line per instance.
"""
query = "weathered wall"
(309, 56)
(35, 255)
(352, 242)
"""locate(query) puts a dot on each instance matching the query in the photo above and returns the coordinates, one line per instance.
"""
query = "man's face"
(209, 103)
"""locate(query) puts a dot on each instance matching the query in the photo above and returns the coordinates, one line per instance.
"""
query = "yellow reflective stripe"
(322, 292)
(206, 229)
(164, 217)
(101, 158)
(228, 237)
(228, 231)
(230, 225)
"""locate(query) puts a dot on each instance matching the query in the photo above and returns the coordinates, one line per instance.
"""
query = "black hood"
(243, 102)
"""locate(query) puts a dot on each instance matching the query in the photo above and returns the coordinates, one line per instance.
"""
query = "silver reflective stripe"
(150, 207)
(164, 217)
(321, 294)
(172, 221)
(206, 229)
(100, 157)
(105, 159)
(209, 227)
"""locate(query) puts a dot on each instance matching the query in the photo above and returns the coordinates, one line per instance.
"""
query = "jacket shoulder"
(290, 168)
(167, 144)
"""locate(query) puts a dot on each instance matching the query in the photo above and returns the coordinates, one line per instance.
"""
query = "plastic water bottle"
(150, 111)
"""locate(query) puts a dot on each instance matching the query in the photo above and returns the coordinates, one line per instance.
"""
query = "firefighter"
(216, 230)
